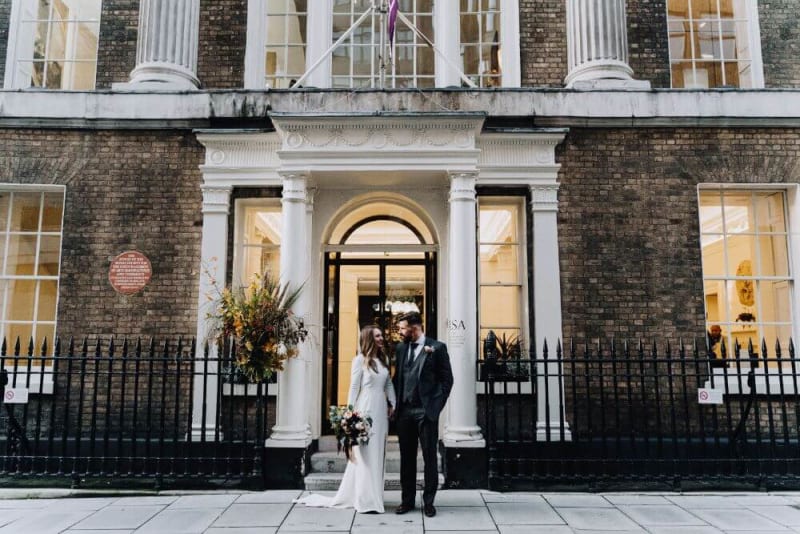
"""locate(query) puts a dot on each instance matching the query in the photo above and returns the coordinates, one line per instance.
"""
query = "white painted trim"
(252, 390)
(510, 39)
(754, 31)
(740, 375)
(37, 378)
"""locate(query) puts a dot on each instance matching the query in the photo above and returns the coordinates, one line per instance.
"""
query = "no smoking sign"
(16, 396)
(709, 396)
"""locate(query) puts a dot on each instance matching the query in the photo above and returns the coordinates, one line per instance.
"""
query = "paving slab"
(98, 531)
(253, 515)
(598, 519)
(51, 522)
(567, 500)
(512, 497)
(704, 501)
(146, 501)
(762, 500)
(532, 513)
(7, 516)
(111, 517)
(318, 519)
(246, 530)
(684, 530)
(535, 529)
(81, 504)
(23, 503)
(649, 515)
(180, 521)
(203, 502)
(416, 529)
(278, 496)
(785, 515)
(389, 519)
(460, 518)
(458, 498)
(735, 520)
(636, 499)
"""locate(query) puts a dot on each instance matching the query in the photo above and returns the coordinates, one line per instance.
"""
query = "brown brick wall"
(543, 42)
(780, 42)
(125, 190)
(223, 32)
(116, 54)
(5, 14)
(648, 47)
(628, 222)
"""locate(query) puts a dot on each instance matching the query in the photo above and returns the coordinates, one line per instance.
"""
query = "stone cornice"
(544, 107)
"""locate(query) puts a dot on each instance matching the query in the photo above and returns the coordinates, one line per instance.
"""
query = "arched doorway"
(380, 262)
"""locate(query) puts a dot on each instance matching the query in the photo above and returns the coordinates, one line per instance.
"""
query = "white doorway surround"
(431, 161)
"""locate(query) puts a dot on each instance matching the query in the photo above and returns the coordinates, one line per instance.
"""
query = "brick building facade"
(593, 190)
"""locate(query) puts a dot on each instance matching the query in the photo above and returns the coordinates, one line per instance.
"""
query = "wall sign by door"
(130, 272)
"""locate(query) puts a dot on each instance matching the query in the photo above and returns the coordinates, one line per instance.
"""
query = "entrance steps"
(327, 467)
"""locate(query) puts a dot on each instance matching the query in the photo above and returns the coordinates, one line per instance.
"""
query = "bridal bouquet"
(350, 427)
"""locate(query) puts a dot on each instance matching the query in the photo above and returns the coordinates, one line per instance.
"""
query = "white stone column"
(547, 311)
(462, 428)
(166, 49)
(292, 429)
(213, 267)
(597, 46)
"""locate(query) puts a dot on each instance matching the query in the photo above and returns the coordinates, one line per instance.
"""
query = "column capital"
(462, 186)
(544, 197)
(295, 187)
(216, 198)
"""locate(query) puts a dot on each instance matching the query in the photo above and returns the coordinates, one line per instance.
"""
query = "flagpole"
(382, 44)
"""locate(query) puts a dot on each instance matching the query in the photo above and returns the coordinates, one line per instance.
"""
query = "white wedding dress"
(362, 485)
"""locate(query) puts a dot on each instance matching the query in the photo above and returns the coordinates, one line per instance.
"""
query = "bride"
(370, 388)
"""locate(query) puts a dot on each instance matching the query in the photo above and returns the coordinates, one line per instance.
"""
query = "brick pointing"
(628, 222)
(116, 54)
(125, 190)
(223, 32)
(648, 46)
(780, 42)
(543, 42)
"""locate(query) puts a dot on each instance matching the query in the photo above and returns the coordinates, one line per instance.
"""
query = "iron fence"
(620, 415)
(151, 412)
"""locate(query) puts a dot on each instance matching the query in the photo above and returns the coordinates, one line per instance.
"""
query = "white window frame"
(319, 35)
(14, 77)
(522, 266)
(792, 195)
(239, 206)
(754, 35)
(40, 380)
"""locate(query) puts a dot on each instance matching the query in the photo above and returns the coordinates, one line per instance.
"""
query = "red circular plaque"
(130, 272)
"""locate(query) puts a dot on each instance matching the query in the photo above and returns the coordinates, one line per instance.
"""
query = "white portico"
(423, 168)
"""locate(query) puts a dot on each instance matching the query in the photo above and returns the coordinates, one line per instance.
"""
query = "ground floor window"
(747, 276)
(501, 269)
(30, 248)
(257, 241)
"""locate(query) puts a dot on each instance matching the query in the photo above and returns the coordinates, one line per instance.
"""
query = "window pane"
(774, 255)
(48, 295)
(21, 254)
(49, 254)
(5, 199)
(769, 212)
(22, 332)
(25, 212)
(741, 255)
(257, 261)
(499, 264)
(775, 301)
(738, 213)
(44, 332)
(262, 226)
(498, 224)
(51, 218)
(715, 299)
(20, 301)
(500, 307)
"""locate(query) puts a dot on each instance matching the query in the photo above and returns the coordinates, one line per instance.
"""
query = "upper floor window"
(714, 43)
(433, 42)
(480, 41)
(53, 44)
(747, 275)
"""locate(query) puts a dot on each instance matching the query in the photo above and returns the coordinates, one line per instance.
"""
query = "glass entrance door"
(362, 292)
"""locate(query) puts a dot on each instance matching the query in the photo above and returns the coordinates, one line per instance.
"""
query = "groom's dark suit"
(422, 385)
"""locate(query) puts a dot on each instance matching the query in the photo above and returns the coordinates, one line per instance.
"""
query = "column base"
(159, 75)
(285, 465)
(466, 437)
(289, 437)
(554, 431)
(611, 85)
(464, 467)
(603, 74)
(197, 433)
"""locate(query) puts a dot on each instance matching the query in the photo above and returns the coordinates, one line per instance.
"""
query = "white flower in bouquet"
(281, 350)
(359, 426)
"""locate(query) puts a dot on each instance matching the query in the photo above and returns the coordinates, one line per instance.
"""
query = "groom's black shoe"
(403, 508)
(429, 510)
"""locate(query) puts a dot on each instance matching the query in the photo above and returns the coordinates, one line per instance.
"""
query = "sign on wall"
(130, 272)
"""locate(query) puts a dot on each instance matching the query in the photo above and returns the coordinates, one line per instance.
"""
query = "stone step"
(328, 444)
(331, 481)
(335, 462)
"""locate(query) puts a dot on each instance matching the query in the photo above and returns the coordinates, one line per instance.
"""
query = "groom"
(423, 381)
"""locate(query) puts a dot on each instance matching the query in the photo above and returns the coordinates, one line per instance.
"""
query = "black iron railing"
(155, 412)
(629, 415)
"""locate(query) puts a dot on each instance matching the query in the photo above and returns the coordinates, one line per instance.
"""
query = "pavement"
(473, 511)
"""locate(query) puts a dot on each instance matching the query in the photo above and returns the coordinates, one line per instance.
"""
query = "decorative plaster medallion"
(217, 157)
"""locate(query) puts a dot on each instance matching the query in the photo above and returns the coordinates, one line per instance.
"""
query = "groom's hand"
(390, 412)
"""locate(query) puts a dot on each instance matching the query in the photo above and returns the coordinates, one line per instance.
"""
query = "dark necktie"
(412, 350)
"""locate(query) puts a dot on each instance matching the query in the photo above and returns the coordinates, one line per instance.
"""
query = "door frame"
(334, 261)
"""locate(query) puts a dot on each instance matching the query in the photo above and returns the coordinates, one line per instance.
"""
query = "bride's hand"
(390, 412)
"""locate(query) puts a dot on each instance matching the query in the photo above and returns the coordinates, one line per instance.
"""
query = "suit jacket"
(435, 377)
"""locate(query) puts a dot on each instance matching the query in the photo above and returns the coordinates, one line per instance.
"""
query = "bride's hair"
(369, 349)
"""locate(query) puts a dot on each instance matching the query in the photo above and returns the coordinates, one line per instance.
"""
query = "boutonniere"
(428, 349)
